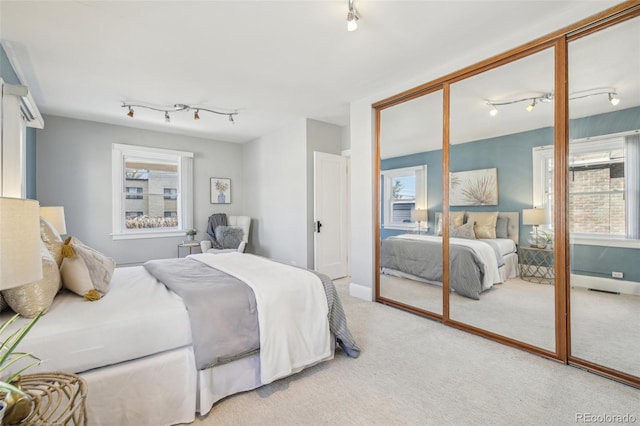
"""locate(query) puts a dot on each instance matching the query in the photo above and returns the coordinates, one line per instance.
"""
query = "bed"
(476, 264)
(146, 356)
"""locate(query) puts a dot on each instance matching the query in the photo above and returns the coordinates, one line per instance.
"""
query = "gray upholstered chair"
(243, 222)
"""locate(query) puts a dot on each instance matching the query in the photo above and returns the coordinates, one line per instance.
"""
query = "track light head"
(494, 111)
(130, 113)
(167, 119)
(231, 119)
(352, 18)
(532, 105)
(613, 98)
(196, 116)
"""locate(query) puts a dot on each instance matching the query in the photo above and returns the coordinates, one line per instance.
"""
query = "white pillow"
(85, 271)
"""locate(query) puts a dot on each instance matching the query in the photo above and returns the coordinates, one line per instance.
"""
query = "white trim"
(608, 136)
(142, 235)
(150, 151)
(593, 240)
(361, 291)
(346, 153)
(420, 195)
(28, 104)
(607, 284)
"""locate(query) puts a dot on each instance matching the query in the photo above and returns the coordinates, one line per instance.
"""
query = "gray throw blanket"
(223, 313)
(215, 220)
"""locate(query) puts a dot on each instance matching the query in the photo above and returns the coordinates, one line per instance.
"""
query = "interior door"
(330, 214)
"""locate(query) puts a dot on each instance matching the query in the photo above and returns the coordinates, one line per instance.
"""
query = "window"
(603, 187)
(170, 194)
(133, 193)
(152, 192)
(403, 190)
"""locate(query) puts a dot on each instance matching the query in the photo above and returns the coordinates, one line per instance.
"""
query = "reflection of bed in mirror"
(476, 264)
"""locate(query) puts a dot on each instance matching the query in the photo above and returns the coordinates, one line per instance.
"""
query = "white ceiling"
(274, 61)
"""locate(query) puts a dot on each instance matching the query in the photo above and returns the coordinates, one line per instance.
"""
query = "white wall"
(74, 170)
(276, 199)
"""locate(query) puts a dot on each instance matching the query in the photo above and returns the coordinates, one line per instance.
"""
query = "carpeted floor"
(416, 371)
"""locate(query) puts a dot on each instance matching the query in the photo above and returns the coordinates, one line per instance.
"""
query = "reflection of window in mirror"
(403, 189)
(603, 185)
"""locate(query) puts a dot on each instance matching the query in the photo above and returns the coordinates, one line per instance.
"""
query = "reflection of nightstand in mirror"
(189, 245)
(536, 265)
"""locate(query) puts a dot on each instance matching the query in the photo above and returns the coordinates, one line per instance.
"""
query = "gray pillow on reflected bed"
(502, 226)
(228, 236)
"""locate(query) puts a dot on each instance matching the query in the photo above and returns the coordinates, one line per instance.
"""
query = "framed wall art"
(220, 191)
(474, 188)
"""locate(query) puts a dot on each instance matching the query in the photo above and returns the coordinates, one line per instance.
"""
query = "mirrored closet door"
(501, 255)
(410, 164)
(604, 197)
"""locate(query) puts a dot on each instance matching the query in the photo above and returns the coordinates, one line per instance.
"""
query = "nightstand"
(536, 265)
(189, 245)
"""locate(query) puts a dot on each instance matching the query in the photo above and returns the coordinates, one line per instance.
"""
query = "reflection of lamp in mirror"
(55, 216)
(535, 217)
(20, 259)
(419, 215)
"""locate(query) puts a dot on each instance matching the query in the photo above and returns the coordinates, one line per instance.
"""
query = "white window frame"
(542, 197)
(420, 173)
(184, 160)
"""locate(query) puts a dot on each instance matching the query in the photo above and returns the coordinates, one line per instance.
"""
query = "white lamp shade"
(20, 258)
(534, 216)
(55, 216)
(419, 215)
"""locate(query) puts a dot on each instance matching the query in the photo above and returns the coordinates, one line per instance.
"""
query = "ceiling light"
(493, 111)
(532, 105)
(352, 17)
(177, 108)
(613, 98)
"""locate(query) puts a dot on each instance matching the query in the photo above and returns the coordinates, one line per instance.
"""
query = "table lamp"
(535, 217)
(55, 216)
(20, 258)
(419, 215)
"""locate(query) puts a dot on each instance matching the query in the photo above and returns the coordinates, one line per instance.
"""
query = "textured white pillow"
(52, 240)
(463, 231)
(85, 271)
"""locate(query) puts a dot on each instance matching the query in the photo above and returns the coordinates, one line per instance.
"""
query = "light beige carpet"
(416, 371)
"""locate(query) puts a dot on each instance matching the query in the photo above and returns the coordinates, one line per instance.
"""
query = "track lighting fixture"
(548, 97)
(532, 105)
(178, 108)
(613, 98)
(352, 17)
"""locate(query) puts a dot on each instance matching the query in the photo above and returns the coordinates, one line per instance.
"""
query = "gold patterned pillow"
(85, 271)
(484, 223)
(29, 299)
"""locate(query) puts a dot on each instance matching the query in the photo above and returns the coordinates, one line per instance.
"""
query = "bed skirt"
(155, 390)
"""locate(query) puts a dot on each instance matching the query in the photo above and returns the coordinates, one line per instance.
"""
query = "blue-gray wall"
(515, 190)
(9, 75)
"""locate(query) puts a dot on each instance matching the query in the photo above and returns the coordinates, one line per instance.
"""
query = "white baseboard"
(361, 292)
(606, 284)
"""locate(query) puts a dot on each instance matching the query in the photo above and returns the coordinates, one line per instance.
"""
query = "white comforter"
(292, 311)
(483, 251)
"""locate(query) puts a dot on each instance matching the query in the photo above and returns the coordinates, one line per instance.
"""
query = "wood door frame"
(558, 41)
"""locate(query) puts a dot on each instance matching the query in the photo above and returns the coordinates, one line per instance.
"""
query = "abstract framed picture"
(220, 191)
(474, 188)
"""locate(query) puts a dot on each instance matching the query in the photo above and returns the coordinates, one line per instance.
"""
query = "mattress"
(138, 313)
(505, 245)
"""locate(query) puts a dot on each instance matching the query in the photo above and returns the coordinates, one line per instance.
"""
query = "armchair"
(243, 222)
